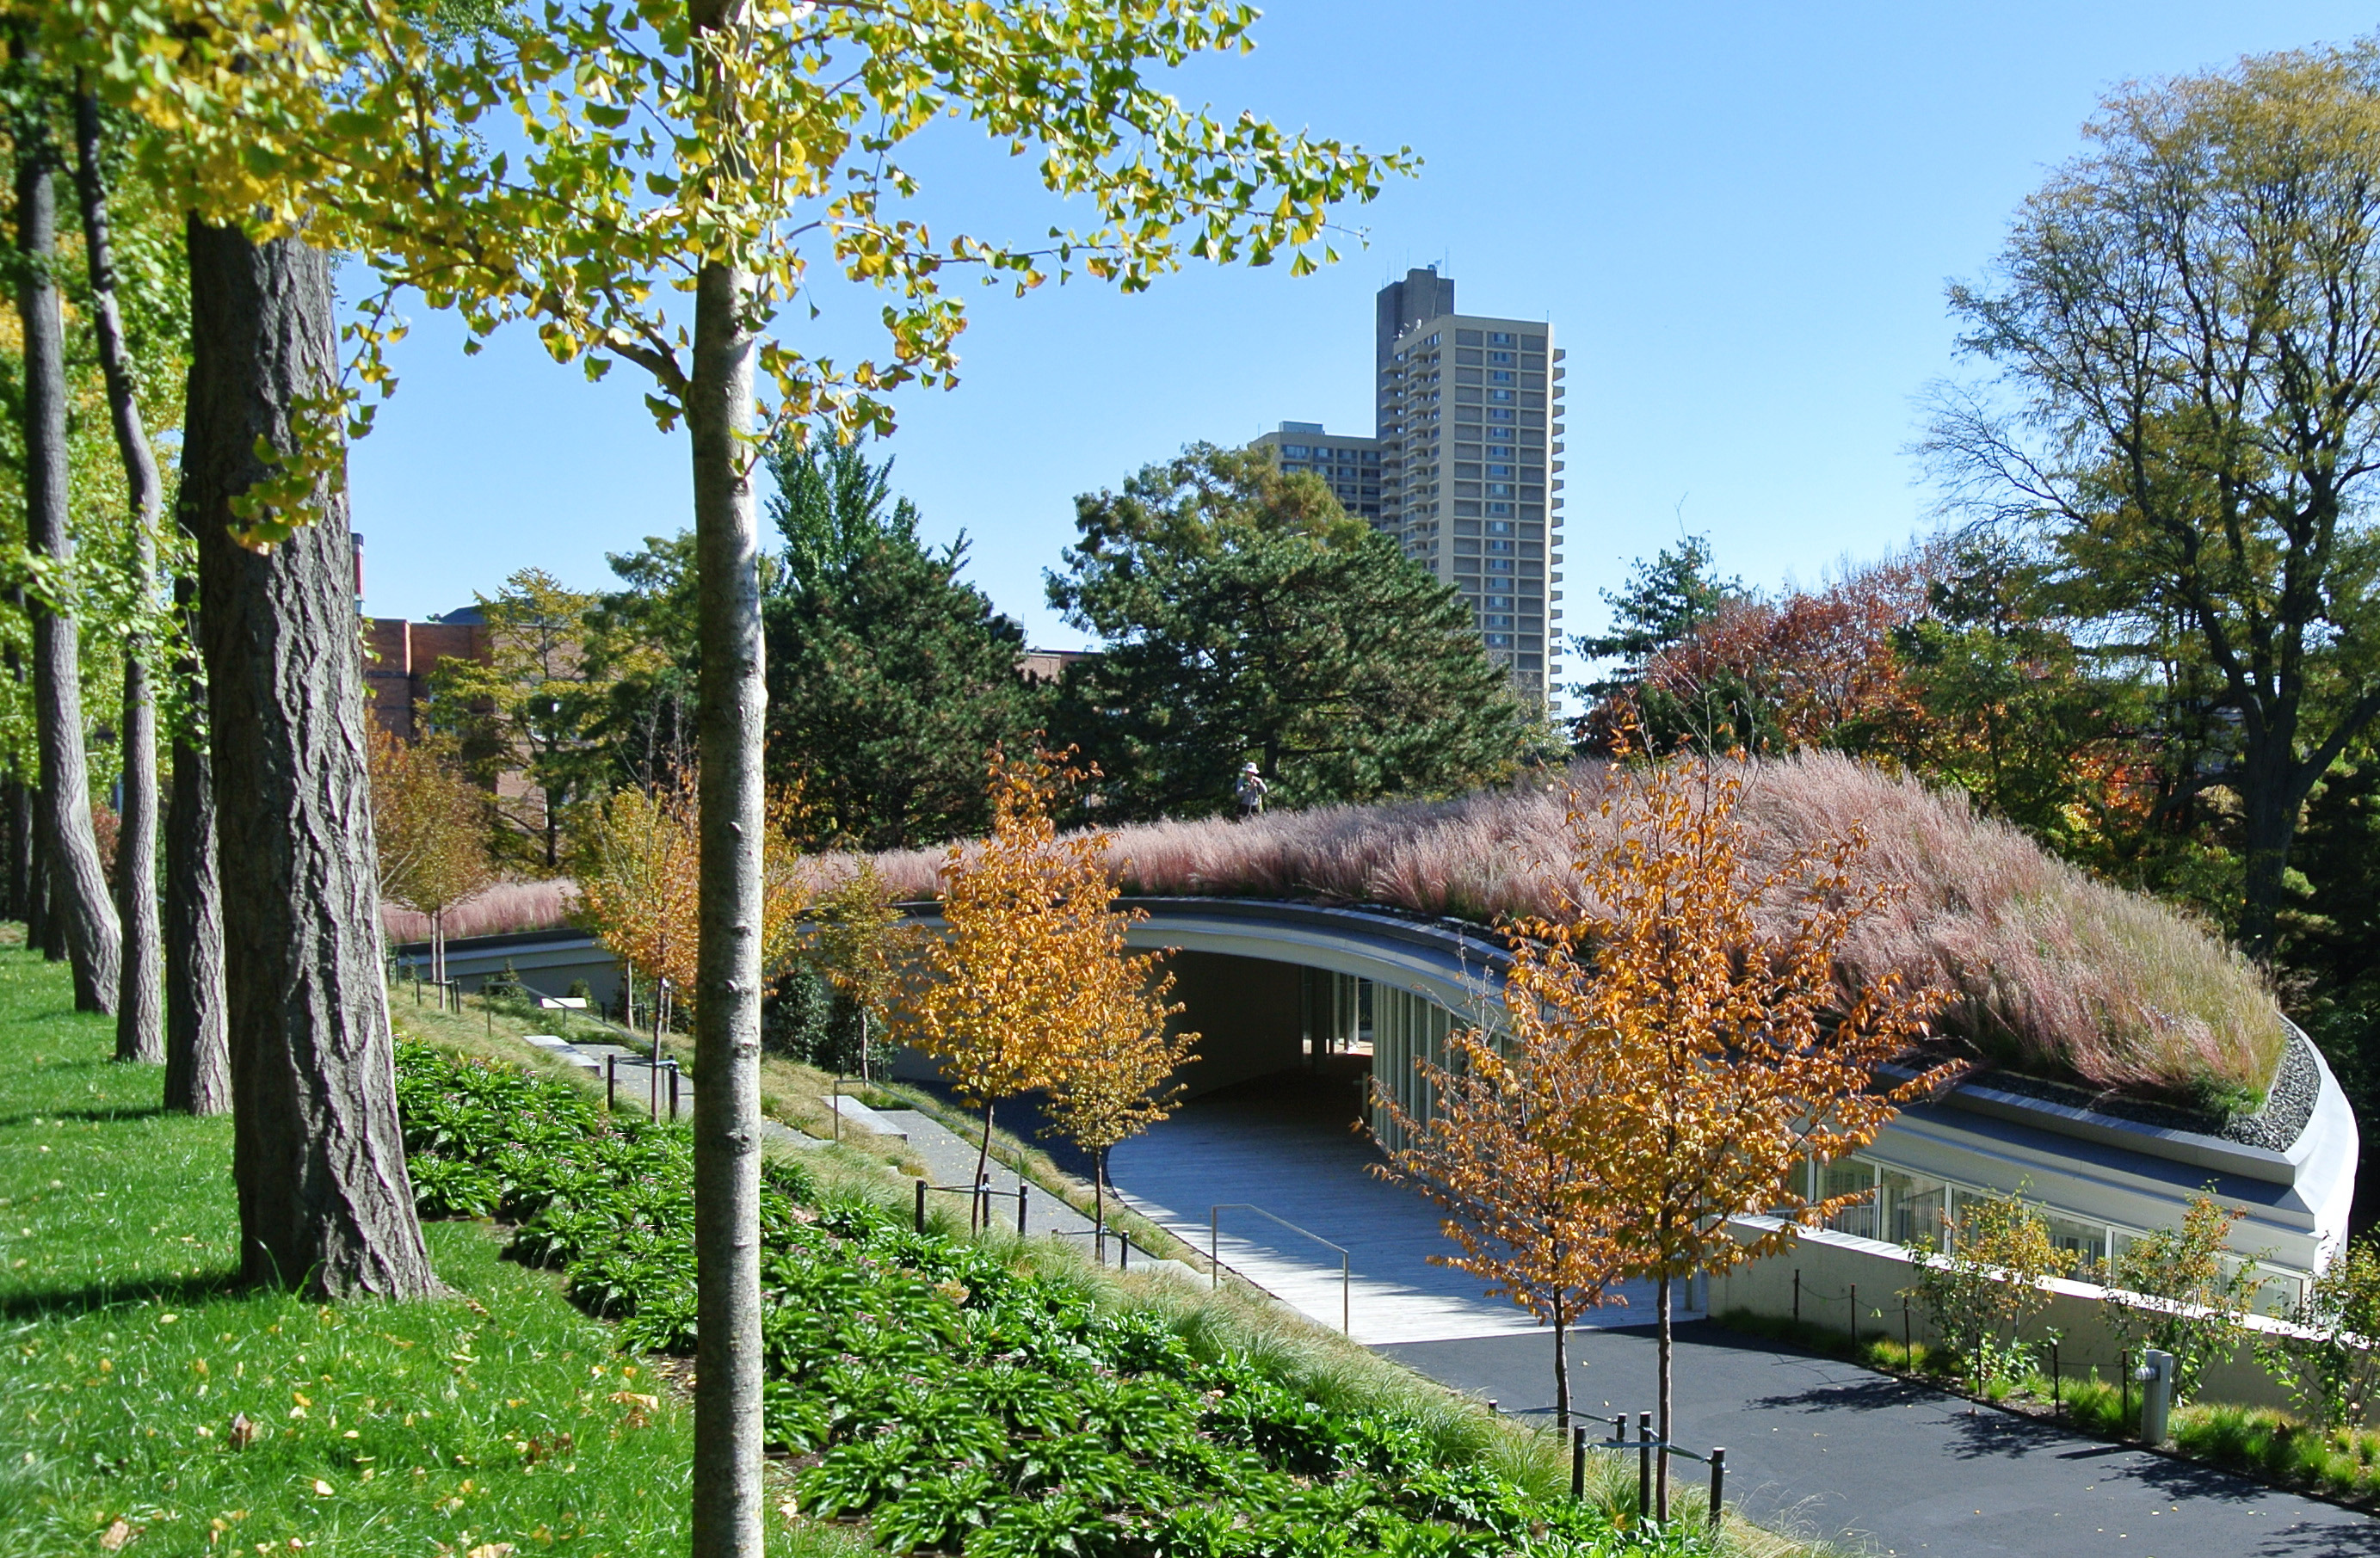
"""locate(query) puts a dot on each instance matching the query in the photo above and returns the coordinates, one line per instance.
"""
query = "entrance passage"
(1290, 1142)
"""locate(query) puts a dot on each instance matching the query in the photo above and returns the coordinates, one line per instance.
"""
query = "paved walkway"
(1287, 1144)
(1828, 1449)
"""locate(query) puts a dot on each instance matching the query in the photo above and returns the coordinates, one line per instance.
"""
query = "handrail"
(1215, 1246)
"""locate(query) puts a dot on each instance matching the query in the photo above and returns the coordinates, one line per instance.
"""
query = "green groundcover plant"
(956, 1401)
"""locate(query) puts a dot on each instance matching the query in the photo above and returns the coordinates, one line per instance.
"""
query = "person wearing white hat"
(1250, 791)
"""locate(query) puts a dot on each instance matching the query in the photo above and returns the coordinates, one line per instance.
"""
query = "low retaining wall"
(1830, 1264)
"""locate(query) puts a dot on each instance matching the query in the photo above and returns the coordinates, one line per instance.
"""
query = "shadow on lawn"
(40, 1302)
(97, 1113)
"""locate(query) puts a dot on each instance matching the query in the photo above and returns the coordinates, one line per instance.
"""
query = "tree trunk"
(41, 925)
(2269, 805)
(1662, 1455)
(78, 893)
(1100, 1205)
(983, 1165)
(198, 1065)
(727, 1003)
(318, 1157)
(1562, 1364)
(19, 823)
(140, 1026)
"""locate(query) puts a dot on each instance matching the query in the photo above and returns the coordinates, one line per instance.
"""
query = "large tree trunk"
(140, 1026)
(78, 893)
(324, 1199)
(727, 1005)
(198, 1063)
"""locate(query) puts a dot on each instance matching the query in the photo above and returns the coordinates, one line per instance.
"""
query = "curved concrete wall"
(2088, 1169)
(1236, 973)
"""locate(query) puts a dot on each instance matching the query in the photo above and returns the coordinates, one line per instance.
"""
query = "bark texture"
(198, 1063)
(79, 896)
(324, 1199)
(139, 1019)
(727, 1010)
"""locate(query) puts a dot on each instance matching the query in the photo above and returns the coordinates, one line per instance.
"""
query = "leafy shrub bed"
(957, 1402)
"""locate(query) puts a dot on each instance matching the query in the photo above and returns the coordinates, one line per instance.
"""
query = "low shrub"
(958, 1400)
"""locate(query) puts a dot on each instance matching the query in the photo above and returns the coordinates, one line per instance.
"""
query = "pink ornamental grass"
(2055, 973)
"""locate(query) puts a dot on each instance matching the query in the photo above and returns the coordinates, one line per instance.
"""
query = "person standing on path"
(1250, 791)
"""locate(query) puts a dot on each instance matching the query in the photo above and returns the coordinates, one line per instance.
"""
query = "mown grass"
(502, 1420)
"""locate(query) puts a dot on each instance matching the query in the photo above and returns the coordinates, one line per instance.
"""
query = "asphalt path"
(1824, 1448)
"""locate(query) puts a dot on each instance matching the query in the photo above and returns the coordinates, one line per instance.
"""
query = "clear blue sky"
(1739, 218)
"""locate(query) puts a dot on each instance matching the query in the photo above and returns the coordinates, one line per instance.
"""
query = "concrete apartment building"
(1463, 468)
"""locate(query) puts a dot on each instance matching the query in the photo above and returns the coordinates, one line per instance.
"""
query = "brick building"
(401, 656)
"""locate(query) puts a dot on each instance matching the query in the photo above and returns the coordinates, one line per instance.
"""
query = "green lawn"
(501, 1416)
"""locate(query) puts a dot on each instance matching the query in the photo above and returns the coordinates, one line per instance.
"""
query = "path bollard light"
(1908, 1348)
(1797, 1294)
(921, 1206)
(1719, 1484)
(610, 1082)
(1020, 1206)
(1577, 1464)
(2156, 1375)
(672, 1064)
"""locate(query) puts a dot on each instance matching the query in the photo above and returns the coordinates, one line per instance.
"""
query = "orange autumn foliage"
(1705, 1047)
(638, 870)
(1030, 985)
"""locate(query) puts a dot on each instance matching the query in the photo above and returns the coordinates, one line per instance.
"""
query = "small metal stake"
(610, 1082)
(1644, 1466)
(921, 1206)
(1020, 1206)
(1719, 1484)
(1797, 1294)
(1577, 1464)
(672, 1074)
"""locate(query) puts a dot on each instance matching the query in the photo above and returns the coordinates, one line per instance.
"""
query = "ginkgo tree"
(649, 182)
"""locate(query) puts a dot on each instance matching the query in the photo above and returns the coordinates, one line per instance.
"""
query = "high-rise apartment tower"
(1470, 438)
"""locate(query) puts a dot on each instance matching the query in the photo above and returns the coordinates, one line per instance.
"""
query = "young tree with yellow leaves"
(1497, 1156)
(864, 949)
(1027, 915)
(1696, 993)
(1113, 1076)
(638, 866)
(429, 827)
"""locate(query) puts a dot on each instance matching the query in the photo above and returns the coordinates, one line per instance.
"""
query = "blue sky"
(1738, 217)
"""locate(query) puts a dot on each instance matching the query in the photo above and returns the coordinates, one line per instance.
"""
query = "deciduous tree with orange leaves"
(1707, 1047)
(430, 825)
(1112, 1077)
(1031, 969)
(638, 864)
(1497, 1156)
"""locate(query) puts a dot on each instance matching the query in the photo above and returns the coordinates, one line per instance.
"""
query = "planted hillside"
(957, 1401)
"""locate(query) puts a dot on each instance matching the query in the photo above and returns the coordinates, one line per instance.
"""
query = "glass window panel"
(1910, 1206)
(2085, 1244)
(1849, 1176)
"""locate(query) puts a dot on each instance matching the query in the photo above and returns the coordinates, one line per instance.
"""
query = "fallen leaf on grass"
(321, 1490)
(491, 1550)
(640, 1406)
(243, 1431)
(115, 1536)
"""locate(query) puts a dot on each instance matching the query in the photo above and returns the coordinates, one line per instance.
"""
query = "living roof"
(2055, 973)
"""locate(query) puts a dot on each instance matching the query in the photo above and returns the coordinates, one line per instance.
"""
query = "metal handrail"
(1215, 1246)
